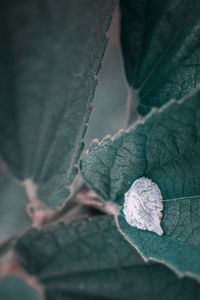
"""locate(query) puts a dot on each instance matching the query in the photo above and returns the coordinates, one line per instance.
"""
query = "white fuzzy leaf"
(143, 205)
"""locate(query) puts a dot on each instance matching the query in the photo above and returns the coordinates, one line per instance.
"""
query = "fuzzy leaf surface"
(165, 148)
(161, 49)
(89, 259)
(50, 55)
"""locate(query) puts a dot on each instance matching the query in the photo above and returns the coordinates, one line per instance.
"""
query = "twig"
(8, 243)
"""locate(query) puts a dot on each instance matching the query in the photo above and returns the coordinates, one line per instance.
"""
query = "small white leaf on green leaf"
(165, 148)
(143, 205)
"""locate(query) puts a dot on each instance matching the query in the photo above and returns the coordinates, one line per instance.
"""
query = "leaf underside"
(89, 259)
(161, 50)
(165, 148)
(50, 55)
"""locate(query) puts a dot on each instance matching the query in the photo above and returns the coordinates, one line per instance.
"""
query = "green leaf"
(13, 203)
(160, 44)
(13, 288)
(50, 55)
(110, 99)
(89, 259)
(165, 148)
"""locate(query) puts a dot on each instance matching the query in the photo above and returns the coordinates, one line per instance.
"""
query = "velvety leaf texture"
(51, 52)
(165, 148)
(160, 43)
(89, 259)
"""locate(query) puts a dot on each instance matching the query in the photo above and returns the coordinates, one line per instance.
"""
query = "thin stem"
(66, 208)
(8, 243)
